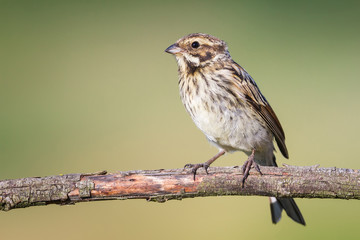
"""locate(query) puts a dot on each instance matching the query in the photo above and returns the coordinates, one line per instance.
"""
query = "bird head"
(198, 50)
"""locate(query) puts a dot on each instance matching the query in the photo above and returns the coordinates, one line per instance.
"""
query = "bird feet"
(247, 166)
(205, 165)
(195, 167)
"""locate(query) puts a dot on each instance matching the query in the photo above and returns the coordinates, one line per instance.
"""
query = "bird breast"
(221, 114)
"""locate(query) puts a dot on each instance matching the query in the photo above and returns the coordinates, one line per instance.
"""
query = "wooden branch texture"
(162, 185)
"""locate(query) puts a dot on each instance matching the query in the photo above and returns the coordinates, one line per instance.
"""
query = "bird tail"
(288, 204)
(290, 207)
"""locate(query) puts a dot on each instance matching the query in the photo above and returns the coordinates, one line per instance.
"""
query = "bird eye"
(195, 44)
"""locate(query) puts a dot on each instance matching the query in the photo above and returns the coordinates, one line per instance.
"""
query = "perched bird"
(225, 103)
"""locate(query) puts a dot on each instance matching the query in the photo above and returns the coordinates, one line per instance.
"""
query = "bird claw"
(195, 167)
(189, 165)
(247, 166)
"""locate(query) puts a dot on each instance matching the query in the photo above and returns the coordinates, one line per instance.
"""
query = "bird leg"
(205, 165)
(247, 166)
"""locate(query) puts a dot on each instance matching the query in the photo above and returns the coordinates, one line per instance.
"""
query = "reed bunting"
(225, 103)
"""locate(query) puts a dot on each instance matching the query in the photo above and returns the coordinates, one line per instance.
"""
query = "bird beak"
(173, 49)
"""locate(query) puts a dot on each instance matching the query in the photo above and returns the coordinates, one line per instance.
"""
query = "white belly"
(230, 127)
(232, 130)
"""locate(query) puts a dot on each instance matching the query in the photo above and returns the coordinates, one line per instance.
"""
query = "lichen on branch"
(163, 185)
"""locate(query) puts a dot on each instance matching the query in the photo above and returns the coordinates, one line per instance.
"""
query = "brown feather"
(254, 97)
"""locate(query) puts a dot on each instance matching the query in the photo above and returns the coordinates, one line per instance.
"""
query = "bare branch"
(162, 185)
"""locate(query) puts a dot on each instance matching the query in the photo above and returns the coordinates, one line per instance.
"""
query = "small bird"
(225, 103)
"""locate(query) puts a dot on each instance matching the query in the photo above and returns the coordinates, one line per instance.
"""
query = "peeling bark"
(162, 185)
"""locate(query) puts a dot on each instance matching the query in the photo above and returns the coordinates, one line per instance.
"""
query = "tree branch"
(162, 185)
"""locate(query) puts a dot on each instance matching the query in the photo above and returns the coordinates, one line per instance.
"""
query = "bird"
(226, 104)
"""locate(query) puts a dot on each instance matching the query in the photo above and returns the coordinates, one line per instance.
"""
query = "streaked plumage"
(227, 106)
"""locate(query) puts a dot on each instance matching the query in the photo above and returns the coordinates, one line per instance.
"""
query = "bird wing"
(250, 91)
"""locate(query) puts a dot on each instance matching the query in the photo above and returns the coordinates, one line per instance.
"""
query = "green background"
(86, 86)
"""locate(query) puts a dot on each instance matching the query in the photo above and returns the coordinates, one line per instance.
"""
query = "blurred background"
(86, 86)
